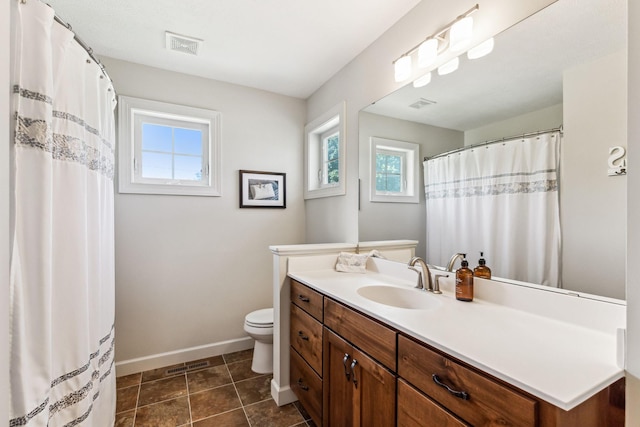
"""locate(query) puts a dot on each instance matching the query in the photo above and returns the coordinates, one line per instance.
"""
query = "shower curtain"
(501, 199)
(62, 268)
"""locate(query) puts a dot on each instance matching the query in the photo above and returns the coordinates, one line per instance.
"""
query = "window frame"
(410, 178)
(325, 125)
(132, 113)
(324, 156)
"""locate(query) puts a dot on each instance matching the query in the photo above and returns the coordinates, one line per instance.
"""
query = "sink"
(410, 298)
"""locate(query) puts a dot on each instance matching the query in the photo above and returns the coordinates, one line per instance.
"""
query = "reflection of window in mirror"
(324, 155)
(394, 171)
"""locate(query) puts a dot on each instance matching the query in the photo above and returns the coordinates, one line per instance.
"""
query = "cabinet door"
(374, 392)
(357, 390)
(337, 388)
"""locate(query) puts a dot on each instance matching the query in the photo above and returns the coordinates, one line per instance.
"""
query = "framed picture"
(262, 189)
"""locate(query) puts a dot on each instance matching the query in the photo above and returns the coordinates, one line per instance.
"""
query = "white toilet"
(259, 325)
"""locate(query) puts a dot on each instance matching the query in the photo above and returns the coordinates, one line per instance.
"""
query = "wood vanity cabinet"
(348, 369)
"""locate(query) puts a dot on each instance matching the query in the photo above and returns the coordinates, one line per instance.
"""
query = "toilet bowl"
(259, 325)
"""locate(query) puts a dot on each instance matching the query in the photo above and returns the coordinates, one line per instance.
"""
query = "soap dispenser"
(482, 270)
(464, 281)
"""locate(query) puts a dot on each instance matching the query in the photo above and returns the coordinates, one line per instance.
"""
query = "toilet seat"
(260, 318)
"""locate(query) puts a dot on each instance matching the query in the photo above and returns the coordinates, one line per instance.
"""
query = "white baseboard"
(282, 395)
(154, 361)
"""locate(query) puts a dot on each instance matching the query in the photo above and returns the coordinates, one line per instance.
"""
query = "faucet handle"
(420, 285)
(436, 285)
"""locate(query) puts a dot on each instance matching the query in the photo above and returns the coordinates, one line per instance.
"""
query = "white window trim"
(411, 150)
(128, 109)
(335, 117)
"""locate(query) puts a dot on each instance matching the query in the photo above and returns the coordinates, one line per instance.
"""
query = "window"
(394, 171)
(168, 149)
(324, 155)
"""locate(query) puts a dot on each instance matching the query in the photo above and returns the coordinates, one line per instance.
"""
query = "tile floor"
(218, 391)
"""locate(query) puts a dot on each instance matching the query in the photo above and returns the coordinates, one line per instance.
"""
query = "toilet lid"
(260, 317)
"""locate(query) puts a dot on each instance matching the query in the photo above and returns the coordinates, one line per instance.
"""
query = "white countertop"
(561, 362)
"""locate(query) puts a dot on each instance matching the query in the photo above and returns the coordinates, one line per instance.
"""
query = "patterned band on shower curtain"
(62, 269)
(502, 199)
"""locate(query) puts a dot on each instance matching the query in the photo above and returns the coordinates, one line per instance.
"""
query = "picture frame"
(262, 189)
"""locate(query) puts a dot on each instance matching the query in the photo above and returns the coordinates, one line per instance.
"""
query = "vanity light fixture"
(449, 67)
(455, 36)
(484, 48)
(422, 81)
(402, 68)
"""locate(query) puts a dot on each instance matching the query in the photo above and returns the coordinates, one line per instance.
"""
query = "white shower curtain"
(62, 271)
(501, 199)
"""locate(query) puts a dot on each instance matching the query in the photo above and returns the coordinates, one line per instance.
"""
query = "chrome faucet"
(426, 273)
(453, 260)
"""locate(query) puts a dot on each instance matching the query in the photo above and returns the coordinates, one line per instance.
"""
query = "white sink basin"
(415, 299)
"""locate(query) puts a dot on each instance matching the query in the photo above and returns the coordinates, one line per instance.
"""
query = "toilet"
(259, 325)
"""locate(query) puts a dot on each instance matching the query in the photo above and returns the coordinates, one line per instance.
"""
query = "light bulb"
(460, 34)
(481, 50)
(422, 81)
(402, 68)
(427, 53)
(449, 67)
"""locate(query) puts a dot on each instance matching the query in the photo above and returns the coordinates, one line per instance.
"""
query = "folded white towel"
(351, 263)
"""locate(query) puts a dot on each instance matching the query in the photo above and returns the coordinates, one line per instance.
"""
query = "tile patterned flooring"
(218, 391)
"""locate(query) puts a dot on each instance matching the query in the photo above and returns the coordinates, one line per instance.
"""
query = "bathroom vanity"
(369, 349)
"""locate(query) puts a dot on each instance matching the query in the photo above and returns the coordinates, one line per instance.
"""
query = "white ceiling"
(290, 47)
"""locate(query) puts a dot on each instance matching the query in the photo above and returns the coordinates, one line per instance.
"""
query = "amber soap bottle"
(482, 270)
(464, 281)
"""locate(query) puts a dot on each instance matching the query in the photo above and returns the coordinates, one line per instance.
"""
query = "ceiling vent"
(182, 43)
(422, 102)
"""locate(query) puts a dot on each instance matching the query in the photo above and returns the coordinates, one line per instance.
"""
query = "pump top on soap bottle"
(482, 270)
(464, 281)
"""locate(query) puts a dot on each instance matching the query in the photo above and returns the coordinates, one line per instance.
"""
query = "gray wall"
(390, 221)
(633, 213)
(188, 269)
(593, 205)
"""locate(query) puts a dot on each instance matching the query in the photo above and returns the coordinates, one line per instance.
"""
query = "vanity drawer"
(307, 386)
(306, 337)
(367, 334)
(307, 299)
(488, 403)
(417, 410)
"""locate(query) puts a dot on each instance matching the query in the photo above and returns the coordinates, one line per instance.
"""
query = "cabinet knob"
(302, 385)
(460, 394)
(302, 336)
(303, 298)
(345, 361)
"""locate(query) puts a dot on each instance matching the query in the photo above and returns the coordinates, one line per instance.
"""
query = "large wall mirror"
(565, 66)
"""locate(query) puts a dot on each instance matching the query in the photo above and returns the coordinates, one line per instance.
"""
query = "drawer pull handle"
(301, 385)
(461, 394)
(345, 359)
(303, 298)
(302, 336)
(355, 380)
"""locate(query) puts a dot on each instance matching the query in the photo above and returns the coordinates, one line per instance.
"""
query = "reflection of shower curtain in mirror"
(62, 274)
(502, 199)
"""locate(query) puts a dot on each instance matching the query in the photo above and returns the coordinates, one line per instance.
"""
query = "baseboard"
(154, 361)
(282, 395)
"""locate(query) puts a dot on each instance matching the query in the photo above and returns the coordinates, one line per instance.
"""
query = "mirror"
(563, 66)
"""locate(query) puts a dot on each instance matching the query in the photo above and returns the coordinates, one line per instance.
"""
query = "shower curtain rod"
(80, 42)
(495, 141)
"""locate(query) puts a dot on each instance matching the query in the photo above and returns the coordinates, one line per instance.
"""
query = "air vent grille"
(189, 367)
(182, 44)
(421, 103)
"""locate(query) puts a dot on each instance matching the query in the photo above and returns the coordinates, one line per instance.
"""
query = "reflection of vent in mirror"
(182, 44)
(422, 102)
